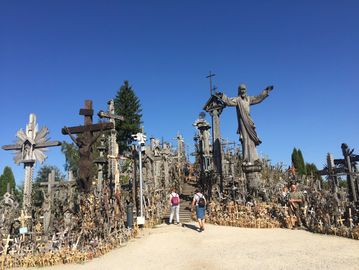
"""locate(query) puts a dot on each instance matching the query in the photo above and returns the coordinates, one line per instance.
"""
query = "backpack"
(201, 202)
(175, 200)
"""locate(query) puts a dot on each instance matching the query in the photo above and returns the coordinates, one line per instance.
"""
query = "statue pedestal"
(253, 177)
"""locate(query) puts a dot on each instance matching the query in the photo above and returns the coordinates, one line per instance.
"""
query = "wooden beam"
(86, 112)
(47, 144)
(12, 147)
(91, 128)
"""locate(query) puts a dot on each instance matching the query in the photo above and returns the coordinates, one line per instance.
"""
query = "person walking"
(175, 204)
(200, 202)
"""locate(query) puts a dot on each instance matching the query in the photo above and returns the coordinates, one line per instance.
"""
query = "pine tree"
(128, 105)
(5, 178)
(295, 159)
(302, 168)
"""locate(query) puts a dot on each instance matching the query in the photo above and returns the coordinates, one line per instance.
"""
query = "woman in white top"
(175, 204)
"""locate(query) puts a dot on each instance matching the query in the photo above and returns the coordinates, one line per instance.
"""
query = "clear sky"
(55, 54)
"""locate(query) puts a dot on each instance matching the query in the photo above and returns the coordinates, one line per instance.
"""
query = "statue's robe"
(246, 128)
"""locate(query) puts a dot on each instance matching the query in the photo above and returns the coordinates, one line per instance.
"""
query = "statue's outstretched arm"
(258, 99)
(227, 100)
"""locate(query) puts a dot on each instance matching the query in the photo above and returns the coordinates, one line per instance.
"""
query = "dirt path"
(176, 247)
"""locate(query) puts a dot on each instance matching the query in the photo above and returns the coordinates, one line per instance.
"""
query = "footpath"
(178, 247)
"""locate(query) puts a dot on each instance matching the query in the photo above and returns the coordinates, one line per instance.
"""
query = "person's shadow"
(190, 226)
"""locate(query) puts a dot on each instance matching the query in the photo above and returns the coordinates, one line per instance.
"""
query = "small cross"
(22, 218)
(8, 240)
(320, 224)
(340, 220)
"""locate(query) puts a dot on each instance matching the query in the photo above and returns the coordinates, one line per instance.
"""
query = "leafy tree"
(128, 105)
(71, 153)
(44, 171)
(5, 178)
(312, 170)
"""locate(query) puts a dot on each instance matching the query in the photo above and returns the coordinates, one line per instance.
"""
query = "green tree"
(302, 168)
(128, 105)
(312, 170)
(43, 174)
(5, 178)
(295, 159)
(70, 150)
(298, 161)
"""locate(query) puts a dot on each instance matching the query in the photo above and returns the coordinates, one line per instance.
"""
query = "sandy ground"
(176, 247)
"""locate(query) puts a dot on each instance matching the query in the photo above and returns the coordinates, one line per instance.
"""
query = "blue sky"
(55, 54)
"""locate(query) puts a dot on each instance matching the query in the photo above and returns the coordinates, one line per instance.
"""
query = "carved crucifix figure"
(84, 143)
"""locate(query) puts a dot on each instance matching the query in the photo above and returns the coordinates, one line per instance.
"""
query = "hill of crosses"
(111, 196)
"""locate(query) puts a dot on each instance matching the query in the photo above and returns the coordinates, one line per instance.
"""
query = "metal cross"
(210, 82)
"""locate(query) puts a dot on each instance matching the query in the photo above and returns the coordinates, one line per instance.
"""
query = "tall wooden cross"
(85, 144)
(113, 154)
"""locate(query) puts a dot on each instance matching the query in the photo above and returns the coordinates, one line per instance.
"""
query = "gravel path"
(175, 247)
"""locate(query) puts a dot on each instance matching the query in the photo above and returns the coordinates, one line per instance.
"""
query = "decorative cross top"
(22, 218)
(31, 143)
(87, 112)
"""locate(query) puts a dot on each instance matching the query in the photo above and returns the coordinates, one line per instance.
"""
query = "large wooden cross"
(87, 112)
(85, 144)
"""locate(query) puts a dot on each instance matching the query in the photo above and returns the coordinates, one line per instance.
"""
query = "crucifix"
(29, 148)
(113, 155)
(84, 141)
(210, 82)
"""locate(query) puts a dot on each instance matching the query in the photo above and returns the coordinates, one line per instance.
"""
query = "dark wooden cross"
(87, 112)
(85, 176)
(210, 82)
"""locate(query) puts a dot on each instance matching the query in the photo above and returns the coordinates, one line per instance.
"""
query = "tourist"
(295, 200)
(200, 202)
(175, 204)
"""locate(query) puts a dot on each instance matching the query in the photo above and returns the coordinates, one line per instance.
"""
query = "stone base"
(254, 180)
